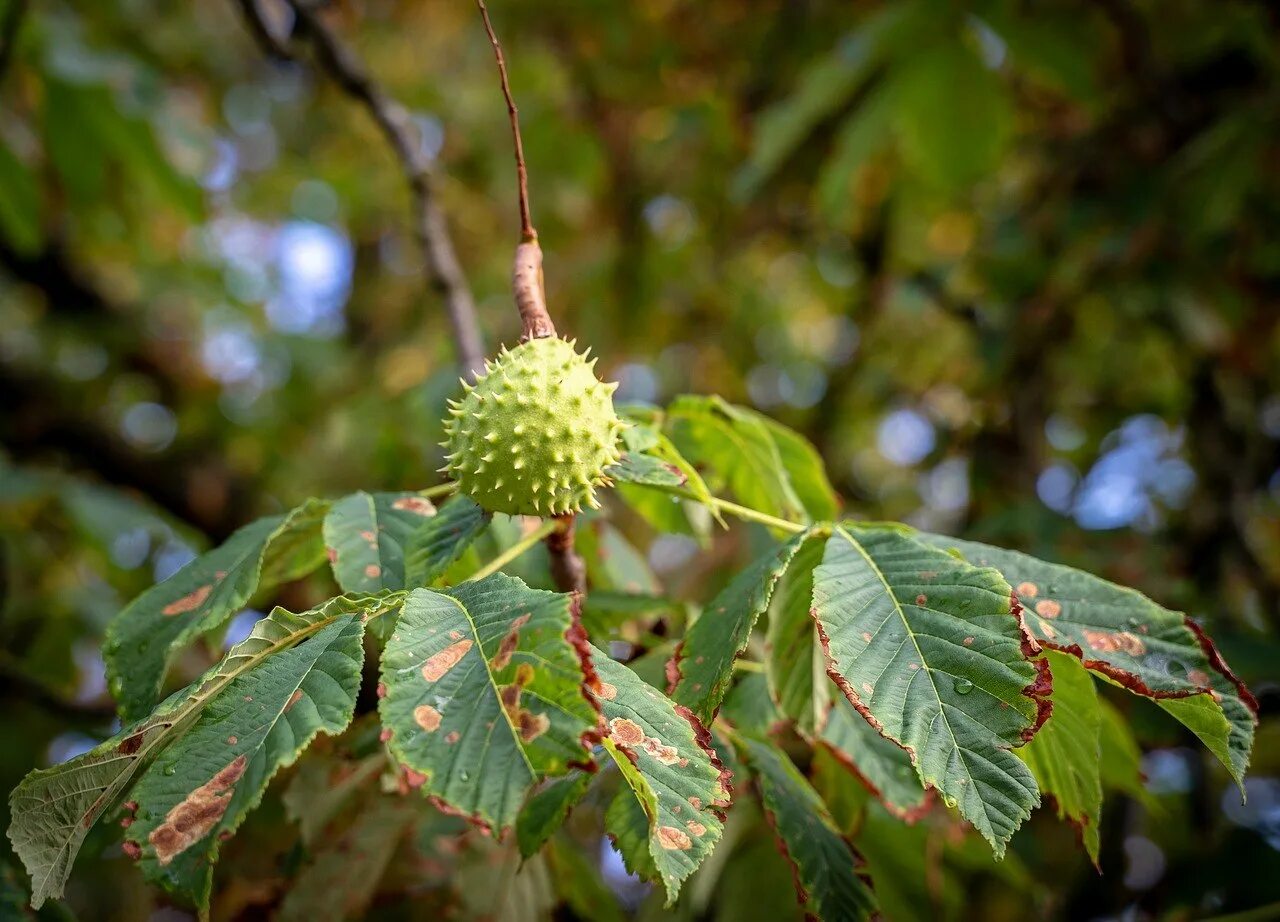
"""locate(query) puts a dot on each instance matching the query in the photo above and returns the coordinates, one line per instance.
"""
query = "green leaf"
(199, 791)
(341, 879)
(53, 809)
(19, 204)
(485, 693)
(703, 664)
(1121, 759)
(927, 648)
(143, 638)
(738, 448)
(804, 468)
(321, 786)
(795, 664)
(546, 810)
(953, 114)
(824, 862)
(1123, 635)
(863, 134)
(1065, 755)
(673, 776)
(881, 765)
(646, 470)
(366, 535)
(438, 543)
(749, 707)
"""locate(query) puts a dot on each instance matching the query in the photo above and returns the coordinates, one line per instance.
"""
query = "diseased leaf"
(672, 773)
(881, 765)
(53, 809)
(796, 668)
(366, 535)
(926, 647)
(739, 449)
(546, 810)
(1122, 634)
(435, 546)
(144, 637)
(823, 861)
(198, 792)
(486, 693)
(1065, 755)
(341, 879)
(703, 664)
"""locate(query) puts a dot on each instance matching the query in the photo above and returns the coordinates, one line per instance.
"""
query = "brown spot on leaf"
(332, 554)
(1198, 677)
(607, 692)
(189, 602)
(382, 689)
(696, 801)
(866, 636)
(373, 571)
(194, 818)
(1027, 590)
(530, 725)
(427, 717)
(452, 737)
(673, 839)
(414, 779)
(1048, 608)
(625, 732)
(509, 643)
(439, 663)
(130, 744)
(369, 536)
(968, 641)
(293, 699)
(1047, 629)
(418, 505)
(1120, 642)
(665, 754)
(232, 740)
(921, 599)
(385, 734)
(696, 828)
(126, 822)
(132, 849)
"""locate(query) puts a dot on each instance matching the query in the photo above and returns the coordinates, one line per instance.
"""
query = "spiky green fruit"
(535, 433)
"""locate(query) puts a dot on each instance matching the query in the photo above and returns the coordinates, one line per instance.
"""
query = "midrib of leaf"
(924, 664)
(493, 685)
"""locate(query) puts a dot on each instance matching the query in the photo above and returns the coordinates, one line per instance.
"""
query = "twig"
(568, 569)
(522, 175)
(526, 275)
(346, 69)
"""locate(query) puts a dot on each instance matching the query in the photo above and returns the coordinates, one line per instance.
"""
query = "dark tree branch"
(344, 67)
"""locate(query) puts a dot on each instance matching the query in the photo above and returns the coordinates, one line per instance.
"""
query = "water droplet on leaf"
(963, 686)
(171, 770)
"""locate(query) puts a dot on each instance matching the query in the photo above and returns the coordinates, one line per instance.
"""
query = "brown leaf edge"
(908, 815)
(577, 637)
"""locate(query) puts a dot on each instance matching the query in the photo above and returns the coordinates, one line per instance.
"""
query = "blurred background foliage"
(1012, 266)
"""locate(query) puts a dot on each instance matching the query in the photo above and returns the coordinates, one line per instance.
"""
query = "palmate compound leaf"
(670, 815)
(53, 809)
(485, 691)
(438, 544)
(146, 634)
(702, 668)
(1066, 755)
(823, 863)
(1123, 635)
(366, 534)
(926, 647)
(201, 788)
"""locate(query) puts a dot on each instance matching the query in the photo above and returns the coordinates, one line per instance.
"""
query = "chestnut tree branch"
(345, 68)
